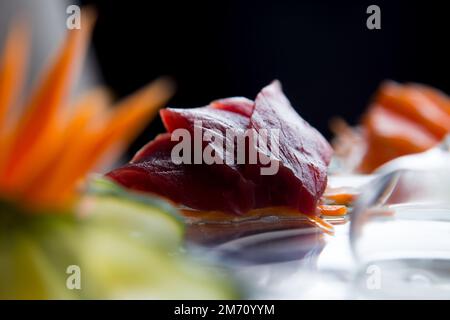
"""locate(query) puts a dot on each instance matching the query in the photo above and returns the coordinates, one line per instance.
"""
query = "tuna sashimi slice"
(203, 187)
(240, 105)
(303, 153)
(223, 127)
(235, 187)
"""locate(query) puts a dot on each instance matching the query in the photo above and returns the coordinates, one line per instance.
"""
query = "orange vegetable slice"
(281, 212)
(332, 210)
(37, 134)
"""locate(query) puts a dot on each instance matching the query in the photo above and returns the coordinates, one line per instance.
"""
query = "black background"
(327, 60)
(160, 309)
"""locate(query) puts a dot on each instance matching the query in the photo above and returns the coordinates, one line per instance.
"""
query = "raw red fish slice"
(237, 188)
(199, 186)
(211, 118)
(153, 148)
(203, 187)
(303, 152)
(240, 105)
(215, 121)
(274, 111)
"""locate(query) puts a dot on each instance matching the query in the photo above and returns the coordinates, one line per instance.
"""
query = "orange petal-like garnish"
(343, 195)
(12, 69)
(125, 122)
(37, 135)
(280, 212)
(87, 115)
(332, 210)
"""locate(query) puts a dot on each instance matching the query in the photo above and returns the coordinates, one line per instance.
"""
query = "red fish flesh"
(234, 184)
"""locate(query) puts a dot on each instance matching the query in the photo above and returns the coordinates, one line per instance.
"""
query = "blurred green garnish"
(118, 245)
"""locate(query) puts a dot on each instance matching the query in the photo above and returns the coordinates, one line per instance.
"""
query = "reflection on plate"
(274, 246)
(212, 234)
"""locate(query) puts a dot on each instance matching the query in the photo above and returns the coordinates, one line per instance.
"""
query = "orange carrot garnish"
(332, 210)
(280, 212)
(12, 68)
(344, 196)
(131, 115)
(124, 123)
(36, 135)
(321, 224)
(49, 149)
(86, 115)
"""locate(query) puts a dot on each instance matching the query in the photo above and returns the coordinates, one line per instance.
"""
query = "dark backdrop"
(328, 61)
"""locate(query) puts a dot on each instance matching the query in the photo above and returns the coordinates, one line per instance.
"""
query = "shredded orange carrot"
(344, 196)
(341, 198)
(217, 216)
(332, 210)
(321, 224)
(86, 115)
(123, 125)
(281, 212)
(12, 68)
(49, 148)
(133, 113)
(35, 139)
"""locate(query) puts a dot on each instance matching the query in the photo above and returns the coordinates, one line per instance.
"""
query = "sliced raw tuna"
(205, 187)
(304, 153)
(208, 120)
(238, 105)
(231, 186)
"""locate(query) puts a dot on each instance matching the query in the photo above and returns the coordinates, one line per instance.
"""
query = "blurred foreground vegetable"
(60, 240)
(125, 246)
